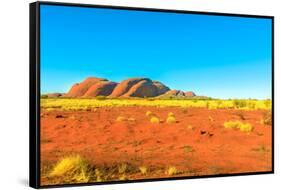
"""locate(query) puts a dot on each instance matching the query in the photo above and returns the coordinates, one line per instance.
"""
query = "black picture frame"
(34, 91)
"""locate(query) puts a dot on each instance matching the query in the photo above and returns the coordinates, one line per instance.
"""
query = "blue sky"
(216, 56)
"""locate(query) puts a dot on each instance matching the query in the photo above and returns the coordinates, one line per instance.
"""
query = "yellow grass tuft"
(98, 175)
(143, 170)
(231, 124)
(171, 114)
(149, 114)
(247, 127)
(244, 127)
(72, 169)
(154, 119)
(123, 177)
(49, 109)
(171, 119)
(122, 168)
(171, 170)
(121, 118)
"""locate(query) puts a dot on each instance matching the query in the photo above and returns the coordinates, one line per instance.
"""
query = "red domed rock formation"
(124, 86)
(190, 94)
(79, 89)
(102, 88)
(132, 87)
(139, 87)
(144, 88)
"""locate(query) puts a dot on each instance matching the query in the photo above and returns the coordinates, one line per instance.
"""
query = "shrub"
(98, 175)
(149, 114)
(123, 177)
(171, 119)
(232, 124)
(143, 170)
(251, 104)
(247, 127)
(100, 97)
(171, 114)
(267, 118)
(72, 169)
(154, 119)
(261, 148)
(267, 104)
(171, 170)
(244, 127)
(239, 103)
(122, 168)
(187, 149)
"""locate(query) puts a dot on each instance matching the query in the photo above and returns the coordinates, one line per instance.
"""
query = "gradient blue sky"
(216, 56)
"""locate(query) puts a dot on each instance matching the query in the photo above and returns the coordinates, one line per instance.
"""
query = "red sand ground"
(197, 144)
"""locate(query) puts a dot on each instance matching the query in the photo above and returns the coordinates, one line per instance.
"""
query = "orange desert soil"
(198, 144)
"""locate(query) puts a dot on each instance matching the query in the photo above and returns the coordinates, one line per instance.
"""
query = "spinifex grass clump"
(244, 127)
(171, 171)
(171, 114)
(171, 118)
(98, 175)
(154, 119)
(247, 127)
(72, 169)
(149, 114)
(143, 170)
(121, 118)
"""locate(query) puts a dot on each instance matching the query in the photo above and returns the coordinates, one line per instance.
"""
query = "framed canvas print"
(121, 94)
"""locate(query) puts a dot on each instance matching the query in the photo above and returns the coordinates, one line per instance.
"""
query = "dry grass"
(171, 171)
(84, 104)
(171, 119)
(171, 114)
(143, 170)
(149, 114)
(121, 118)
(154, 119)
(122, 168)
(98, 175)
(71, 169)
(267, 118)
(244, 127)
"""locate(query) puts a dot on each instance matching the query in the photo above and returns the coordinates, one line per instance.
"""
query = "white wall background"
(14, 73)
